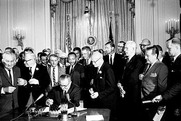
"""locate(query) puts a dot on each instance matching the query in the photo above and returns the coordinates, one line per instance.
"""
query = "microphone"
(41, 95)
(69, 100)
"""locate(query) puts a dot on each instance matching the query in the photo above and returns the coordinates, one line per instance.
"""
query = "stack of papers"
(94, 118)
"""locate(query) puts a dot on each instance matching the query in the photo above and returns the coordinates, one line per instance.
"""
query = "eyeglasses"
(27, 60)
(65, 86)
(96, 60)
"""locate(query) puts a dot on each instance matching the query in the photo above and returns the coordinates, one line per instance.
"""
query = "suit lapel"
(6, 76)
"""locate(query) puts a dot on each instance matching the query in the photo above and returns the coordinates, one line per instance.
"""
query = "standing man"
(9, 75)
(75, 70)
(34, 81)
(115, 60)
(121, 46)
(131, 84)
(54, 70)
(173, 93)
(154, 81)
(103, 92)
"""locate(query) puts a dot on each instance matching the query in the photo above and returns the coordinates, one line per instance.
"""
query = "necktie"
(71, 69)
(147, 68)
(10, 77)
(30, 72)
(111, 60)
(54, 80)
(30, 100)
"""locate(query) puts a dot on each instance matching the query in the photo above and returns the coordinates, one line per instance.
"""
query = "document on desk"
(94, 118)
(71, 110)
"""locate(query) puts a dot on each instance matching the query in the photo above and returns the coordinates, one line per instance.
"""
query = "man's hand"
(33, 81)
(122, 91)
(9, 89)
(22, 82)
(49, 102)
(157, 99)
(94, 95)
(141, 76)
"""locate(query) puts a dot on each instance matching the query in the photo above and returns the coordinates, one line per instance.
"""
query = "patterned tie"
(30, 72)
(10, 77)
(54, 80)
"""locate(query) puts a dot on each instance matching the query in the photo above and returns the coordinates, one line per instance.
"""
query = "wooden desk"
(104, 112)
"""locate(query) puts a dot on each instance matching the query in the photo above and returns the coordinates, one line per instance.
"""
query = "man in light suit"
(154, 81)
(33, 82)
(54, 70)
(9, 75)
(103, 91)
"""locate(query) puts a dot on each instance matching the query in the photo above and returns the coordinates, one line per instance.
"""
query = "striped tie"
(54, 80)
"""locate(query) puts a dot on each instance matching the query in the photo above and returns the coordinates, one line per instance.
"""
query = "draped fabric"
(80, 26)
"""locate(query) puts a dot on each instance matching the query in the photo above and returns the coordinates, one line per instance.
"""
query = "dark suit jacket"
(57, 95)
(173, 94)
(7, 100)
(130, 79)
(154, 81)
(90, 72)
(77, 75)
(118, 65)
(41, 74)
(61, 71)
(104, 83)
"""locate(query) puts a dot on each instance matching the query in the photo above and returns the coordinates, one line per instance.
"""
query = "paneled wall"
(150, 19)
(33, 16)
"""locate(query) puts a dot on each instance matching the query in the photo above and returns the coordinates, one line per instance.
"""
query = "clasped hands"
(93, 94)
(23, 82)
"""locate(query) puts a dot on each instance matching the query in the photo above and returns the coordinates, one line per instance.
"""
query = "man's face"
(29, 60)
(64, 84)
(108, 48)
(43, 60)
(143, 47)
(120, 47)
(95, 60)
(78, 55)
(85, 54)
(151, 58)
(53, 61)
(128, 50)
(72, 59)
(172, 50)
(9, 61)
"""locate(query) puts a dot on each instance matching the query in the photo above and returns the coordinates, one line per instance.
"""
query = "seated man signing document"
(65, 92)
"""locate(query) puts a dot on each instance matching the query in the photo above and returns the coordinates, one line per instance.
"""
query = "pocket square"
(153, 75)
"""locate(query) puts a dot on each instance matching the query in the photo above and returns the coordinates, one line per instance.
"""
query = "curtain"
(71, 22)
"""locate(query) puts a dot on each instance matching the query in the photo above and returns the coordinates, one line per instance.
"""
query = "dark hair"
(65, 76)
(10, 48)
(122, 42)
(72, 53)
(154, 49)
(86, 48)
(159, 48)
(43, 54)
(110, 43)
(77, 48)
(29, 49)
